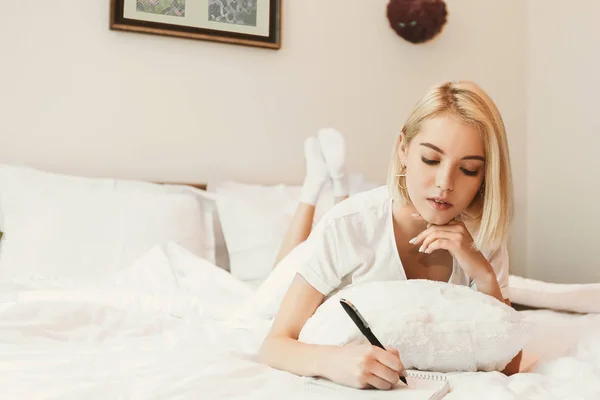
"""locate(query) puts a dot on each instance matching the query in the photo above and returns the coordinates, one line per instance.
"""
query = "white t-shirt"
(355, 242)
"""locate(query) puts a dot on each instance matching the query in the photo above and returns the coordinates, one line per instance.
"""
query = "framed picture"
(244, 22)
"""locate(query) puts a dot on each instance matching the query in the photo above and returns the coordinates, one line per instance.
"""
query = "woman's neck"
(405, 222)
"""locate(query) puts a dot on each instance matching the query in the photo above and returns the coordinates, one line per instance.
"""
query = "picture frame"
(242, 22)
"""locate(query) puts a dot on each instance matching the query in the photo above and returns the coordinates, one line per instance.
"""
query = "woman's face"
(444, 168)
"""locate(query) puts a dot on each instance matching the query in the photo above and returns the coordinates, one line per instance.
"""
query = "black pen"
(362, 325)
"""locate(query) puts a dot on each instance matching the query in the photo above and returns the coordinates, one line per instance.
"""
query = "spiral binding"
(426, 375)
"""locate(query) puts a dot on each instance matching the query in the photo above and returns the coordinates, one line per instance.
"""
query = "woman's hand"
(358, 366)
(455, 238)
(364, 366)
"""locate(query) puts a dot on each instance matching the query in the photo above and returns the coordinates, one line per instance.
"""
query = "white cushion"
(572, 297)
(87, 228)
(255, 219)
(435, 326)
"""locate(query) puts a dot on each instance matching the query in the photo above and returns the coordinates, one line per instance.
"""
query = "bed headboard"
(201, 186)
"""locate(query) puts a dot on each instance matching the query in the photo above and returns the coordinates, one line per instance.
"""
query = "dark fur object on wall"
(417, 20)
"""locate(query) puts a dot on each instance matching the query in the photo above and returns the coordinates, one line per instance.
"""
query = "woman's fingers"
(446, 236)
(390, 358)
(400, 366)
(379, 383)
(439, 244)
(384, 372)
(431, 230)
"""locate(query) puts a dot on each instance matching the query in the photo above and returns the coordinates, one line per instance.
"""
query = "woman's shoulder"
(367, 204)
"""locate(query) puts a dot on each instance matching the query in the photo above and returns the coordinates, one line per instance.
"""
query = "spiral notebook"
(421, 386)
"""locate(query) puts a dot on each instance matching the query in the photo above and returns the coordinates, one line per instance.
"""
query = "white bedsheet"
(161, 330)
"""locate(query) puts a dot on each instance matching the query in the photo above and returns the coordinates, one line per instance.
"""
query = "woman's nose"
(444, 179)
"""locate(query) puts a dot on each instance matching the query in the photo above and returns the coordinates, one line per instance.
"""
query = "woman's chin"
(438, 218)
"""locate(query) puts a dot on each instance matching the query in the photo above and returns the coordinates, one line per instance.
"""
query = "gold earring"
(403, 174)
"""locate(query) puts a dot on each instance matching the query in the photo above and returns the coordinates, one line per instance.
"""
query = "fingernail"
(415, 214)
(421, 249)
(413, 240)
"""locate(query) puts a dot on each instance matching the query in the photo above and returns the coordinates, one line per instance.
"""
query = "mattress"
(60, 340)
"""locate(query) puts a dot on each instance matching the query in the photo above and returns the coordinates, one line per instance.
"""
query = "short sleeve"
(326, 266)
(499, 261)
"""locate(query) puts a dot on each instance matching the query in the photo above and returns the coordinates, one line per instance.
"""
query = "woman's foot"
(333, 148)
(317, 172)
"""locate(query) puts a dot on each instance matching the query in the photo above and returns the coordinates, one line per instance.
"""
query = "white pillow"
(89, 228)
(208, 200)
(573, 297)
(255, 219)
(435, 326)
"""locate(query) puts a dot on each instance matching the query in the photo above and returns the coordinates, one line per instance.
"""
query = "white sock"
(334, 152)
(316, 172)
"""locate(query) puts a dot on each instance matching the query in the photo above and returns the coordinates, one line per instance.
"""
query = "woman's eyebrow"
(434, 147)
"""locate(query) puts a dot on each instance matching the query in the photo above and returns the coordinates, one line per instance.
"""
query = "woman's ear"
(402, 148)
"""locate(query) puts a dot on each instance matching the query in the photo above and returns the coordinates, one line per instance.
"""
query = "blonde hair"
(490, 221)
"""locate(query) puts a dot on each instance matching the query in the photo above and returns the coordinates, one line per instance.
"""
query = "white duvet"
(163, 329)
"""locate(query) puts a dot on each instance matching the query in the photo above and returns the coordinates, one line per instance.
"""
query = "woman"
(443, 216)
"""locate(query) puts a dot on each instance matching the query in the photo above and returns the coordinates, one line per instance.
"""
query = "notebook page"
(421, 386)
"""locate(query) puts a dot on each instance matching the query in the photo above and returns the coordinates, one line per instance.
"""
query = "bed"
(163, 321)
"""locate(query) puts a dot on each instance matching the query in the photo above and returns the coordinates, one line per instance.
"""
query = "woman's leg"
(298, 231)
(300, 227)
(316, 176)
(325, 159)
(333, 148)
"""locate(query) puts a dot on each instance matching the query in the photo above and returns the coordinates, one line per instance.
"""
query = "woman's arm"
(358, 366)
(486, 280)
(281, 350)
(488, 284)
(513, 366)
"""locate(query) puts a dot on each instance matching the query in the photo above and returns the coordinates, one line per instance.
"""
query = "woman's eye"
(469, 172)
(466, 171)
(428, 161)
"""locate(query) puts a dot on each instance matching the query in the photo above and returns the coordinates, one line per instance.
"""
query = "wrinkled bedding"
(168, 329)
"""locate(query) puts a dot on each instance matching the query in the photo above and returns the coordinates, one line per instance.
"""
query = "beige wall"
(76, 97)
(563, 131)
